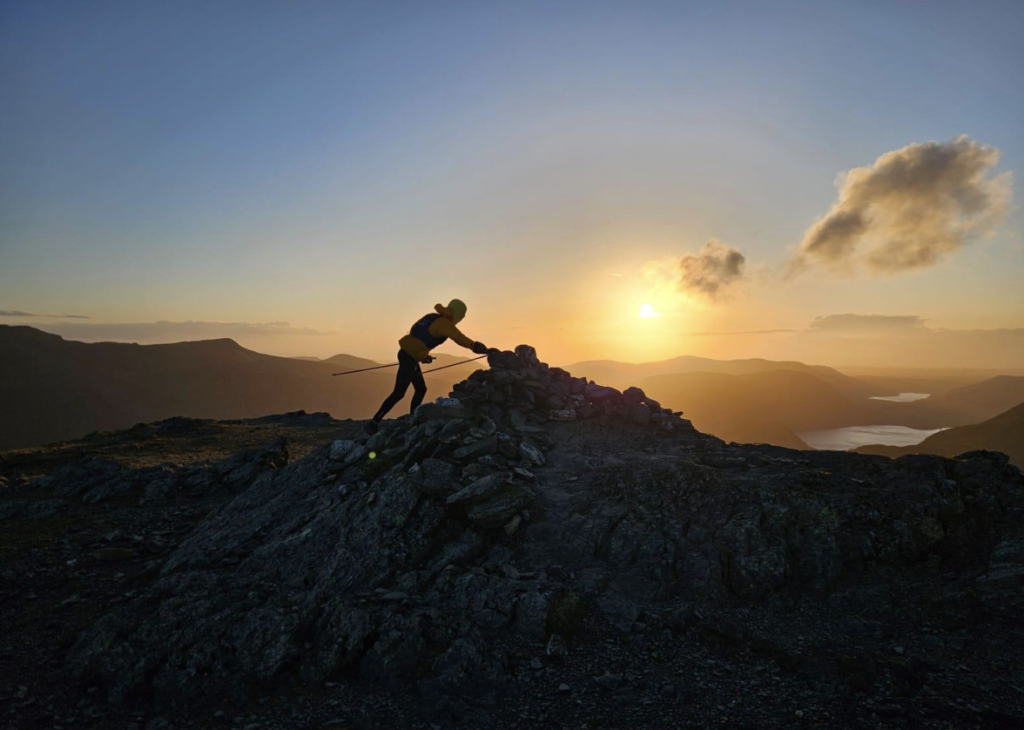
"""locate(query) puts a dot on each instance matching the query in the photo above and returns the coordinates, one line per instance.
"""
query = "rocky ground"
(536, 551)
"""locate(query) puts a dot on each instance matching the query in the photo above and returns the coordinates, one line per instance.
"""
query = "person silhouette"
(428, 332)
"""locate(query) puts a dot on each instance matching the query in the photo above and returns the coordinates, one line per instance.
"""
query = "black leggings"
(409, 373)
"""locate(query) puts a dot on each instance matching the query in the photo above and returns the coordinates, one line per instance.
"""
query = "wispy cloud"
(739, 332)
(19, 313)
(866, 322)
(910, 209)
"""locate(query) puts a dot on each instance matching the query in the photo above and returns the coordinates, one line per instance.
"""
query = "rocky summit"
(537, 550)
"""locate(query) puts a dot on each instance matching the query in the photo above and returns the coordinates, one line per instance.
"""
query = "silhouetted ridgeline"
(53, 389)
(1003, 433)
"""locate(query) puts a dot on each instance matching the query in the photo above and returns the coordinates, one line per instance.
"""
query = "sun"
(647, 311)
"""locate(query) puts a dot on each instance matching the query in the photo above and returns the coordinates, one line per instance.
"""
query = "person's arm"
(444, 327)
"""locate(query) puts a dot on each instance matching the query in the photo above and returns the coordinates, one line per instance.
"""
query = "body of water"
(902, 397)
(844, 439)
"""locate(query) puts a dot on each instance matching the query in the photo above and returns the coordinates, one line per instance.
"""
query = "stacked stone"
(478, 448)
(522, 390)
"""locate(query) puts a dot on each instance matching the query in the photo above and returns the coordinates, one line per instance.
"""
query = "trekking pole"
(432, 370)
(461, 362)
(350, 372)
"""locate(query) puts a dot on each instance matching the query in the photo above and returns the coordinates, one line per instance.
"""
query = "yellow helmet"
(455, 311)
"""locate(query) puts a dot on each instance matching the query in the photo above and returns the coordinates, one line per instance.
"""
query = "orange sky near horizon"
(796, 180)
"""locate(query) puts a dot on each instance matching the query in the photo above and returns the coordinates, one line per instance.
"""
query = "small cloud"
(707, 274)
(19, 313)
(866, 322)
(910, 209)
(738, 332)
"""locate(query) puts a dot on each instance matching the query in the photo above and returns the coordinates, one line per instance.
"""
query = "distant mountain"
(53, 389)
(979, 401)
(351, 362)
(624, 374)
(910, 384)
(799, 401)
(1004, 432)
(955, 399)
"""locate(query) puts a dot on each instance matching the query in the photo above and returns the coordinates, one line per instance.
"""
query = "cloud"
(726, 333)
(910, 209)
(707, 273)
(171, 331)
(866, 322)
(19, 313)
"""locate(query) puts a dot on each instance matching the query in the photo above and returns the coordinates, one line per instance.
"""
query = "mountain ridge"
(542, 536)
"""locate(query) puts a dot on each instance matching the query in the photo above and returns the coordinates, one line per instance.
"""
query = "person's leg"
(419, 389)
(403, 378)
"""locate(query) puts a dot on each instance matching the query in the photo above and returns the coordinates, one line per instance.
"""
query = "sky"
(829, 181)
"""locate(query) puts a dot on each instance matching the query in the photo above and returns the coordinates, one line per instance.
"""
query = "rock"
(527, 355)
(681, 617)
(633, 395)
(376, 442)
(1001, 589)
(498, 510)
(531, 454)
(499, 360)
(477, 470)
(620, 611)
(636, 412)
(600, 392)
(565, 414)
(608, 681)
(476, 449)
(480, 490)
(341, 448)
(434, 412)
(513, 525)
(556, 647)
(437, 478)
(113, 554)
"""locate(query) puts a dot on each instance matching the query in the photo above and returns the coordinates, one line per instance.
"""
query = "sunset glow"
(333, 175)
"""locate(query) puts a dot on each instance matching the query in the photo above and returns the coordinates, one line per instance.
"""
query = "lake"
(844, 439)
(902, 397)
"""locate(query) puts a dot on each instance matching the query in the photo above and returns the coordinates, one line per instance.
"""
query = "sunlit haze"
(830, 182)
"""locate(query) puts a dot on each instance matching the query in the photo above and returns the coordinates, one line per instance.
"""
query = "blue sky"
(342, 166)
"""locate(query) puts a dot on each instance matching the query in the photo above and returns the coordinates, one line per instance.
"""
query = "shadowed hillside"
(624, 374)
(54, 389)
(799, 400)
(979, 401)
(1003, 433)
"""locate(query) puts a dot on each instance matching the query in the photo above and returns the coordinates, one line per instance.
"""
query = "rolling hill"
(53, 389)
(717, 402)
(624, 374)
(1003, 433)
(979, 401)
